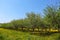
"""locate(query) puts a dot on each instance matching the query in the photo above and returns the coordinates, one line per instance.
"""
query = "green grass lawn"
(6, 34)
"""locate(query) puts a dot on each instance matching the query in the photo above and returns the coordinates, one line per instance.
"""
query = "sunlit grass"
(6, 34)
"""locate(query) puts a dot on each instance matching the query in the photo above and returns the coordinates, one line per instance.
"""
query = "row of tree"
(50, 19)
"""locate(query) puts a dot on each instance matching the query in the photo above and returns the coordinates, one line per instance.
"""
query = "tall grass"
(6, 34)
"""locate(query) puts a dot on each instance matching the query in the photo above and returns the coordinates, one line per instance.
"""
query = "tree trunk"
(38, 29)
(22, 28)
(33, 29)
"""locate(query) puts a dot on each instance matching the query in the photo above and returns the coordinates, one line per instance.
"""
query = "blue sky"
(17, 9)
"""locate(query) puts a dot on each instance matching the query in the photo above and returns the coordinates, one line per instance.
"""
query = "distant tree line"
(50, 19)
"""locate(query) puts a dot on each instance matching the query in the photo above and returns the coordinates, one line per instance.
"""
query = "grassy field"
(6, 34)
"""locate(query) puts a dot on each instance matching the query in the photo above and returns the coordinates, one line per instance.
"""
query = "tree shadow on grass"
(1, 37)
(58, 38)
(42, 33)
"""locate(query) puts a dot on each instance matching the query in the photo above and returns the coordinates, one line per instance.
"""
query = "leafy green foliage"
(52, 17)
